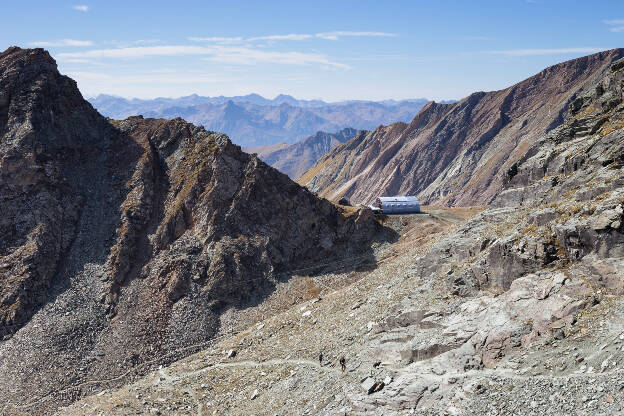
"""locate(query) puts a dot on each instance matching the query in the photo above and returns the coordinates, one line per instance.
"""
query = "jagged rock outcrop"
(455, 154)
(121, 242)
(43, 121)
(297, 158)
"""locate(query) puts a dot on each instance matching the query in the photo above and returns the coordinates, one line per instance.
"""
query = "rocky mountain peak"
(15, 57)
(126, 240)
(297, 158)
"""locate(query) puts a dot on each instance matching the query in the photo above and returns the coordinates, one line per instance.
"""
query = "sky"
(330, 50)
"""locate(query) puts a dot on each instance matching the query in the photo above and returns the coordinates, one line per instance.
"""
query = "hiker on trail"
(343, 364)
(321, 358)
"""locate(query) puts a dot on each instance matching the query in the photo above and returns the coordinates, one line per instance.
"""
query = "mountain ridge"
(511, 309)
(297, 158)
(254, 98)
(254, 120)
(452, 154)
(128, 245)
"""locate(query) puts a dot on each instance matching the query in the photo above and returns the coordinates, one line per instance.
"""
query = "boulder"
(370, 385)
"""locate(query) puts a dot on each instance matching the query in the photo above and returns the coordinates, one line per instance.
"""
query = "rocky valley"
(149, 266)
(295, 159)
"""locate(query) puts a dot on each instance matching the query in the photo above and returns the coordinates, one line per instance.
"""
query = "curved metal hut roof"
(411, 199)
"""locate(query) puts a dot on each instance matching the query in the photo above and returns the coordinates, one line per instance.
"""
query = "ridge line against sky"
(332, 51)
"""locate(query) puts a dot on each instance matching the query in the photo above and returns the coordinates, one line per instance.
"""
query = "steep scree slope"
(455, 154)
(122, 242)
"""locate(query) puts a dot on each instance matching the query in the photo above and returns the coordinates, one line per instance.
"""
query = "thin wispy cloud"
(115, 43)
(78, 61)
(247, 56)
(293, 37)
(534, 52)
(217, 39)
(141, 52)
(150, 79)
(81, 7)
(61, 42)
(145, 41)
(377, 58)
(129, 43)
(617, 25)
(338, 34)
(219, 53)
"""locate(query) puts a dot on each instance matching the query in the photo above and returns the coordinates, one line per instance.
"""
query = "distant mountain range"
(253, 120)
(295, 159)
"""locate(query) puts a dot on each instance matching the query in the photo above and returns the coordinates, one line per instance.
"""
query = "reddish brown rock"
(456, 154)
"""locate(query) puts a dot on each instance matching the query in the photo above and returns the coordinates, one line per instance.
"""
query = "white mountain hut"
(396, 205)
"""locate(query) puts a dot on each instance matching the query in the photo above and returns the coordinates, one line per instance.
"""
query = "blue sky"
(331, 50)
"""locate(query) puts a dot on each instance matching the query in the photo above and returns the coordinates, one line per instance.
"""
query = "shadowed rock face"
(48, 134)
(121, 241)
(455, 154)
